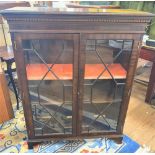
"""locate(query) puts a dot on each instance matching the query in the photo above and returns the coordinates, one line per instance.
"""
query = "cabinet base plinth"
(117, 140)
(31, 144)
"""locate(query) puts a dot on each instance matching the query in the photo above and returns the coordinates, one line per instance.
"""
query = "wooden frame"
(77, 26)
(129, 78)
(6, 112)
(80, 71)
(148, 53)
(24, 87)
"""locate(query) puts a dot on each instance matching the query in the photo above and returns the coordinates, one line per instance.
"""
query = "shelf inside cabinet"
(65, 71)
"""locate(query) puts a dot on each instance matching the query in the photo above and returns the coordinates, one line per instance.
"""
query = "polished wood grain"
(129, 82)
(148, 53)
(6, 112)
(48, 10)
(23, 83)
(75, 82)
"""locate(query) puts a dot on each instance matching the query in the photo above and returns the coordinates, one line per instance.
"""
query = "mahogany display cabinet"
(75, 69)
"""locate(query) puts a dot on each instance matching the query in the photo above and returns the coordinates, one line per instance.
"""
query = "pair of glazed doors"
(73, 84)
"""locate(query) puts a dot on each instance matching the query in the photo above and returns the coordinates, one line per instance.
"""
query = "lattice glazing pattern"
(102, 97)
(51, 100)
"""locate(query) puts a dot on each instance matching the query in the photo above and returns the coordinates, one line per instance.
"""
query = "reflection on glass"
(49, 65)
(106, 66)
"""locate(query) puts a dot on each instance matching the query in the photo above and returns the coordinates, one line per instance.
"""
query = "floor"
(140, 120)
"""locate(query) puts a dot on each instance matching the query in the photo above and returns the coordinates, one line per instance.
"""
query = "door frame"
(129, 79)
(79, 49)
(23, 82)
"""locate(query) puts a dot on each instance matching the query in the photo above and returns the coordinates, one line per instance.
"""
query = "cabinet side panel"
(22, 81)
(129, 81)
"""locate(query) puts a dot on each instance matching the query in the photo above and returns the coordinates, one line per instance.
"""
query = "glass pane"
(49, 67)
(106, 65)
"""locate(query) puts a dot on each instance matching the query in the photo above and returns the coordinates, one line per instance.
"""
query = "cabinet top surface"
(72, 11)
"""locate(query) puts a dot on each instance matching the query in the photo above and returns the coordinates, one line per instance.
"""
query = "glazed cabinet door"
(49, 66)
(104, 64)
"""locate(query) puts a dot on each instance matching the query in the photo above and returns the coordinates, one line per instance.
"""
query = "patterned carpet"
(13, 134)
